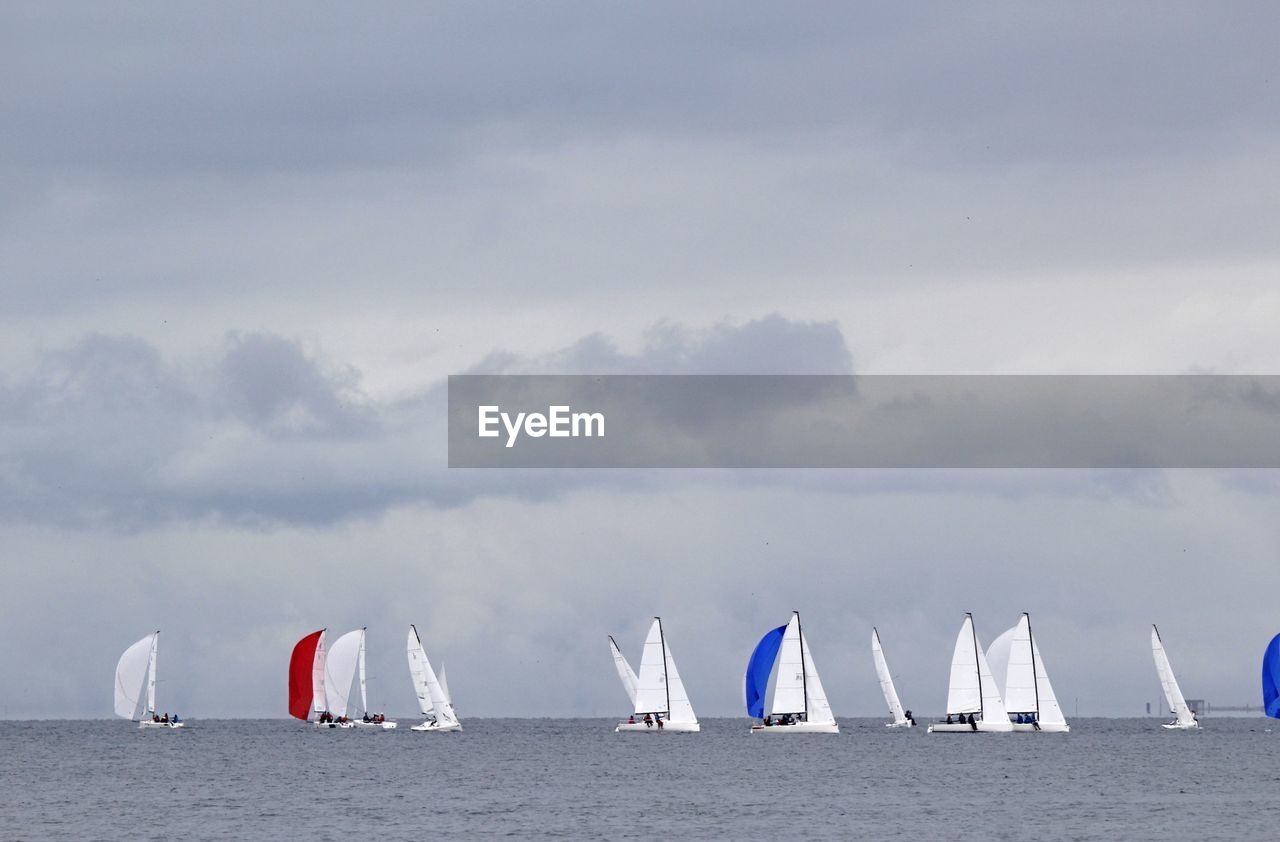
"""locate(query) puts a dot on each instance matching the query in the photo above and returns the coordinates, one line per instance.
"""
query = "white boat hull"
(1174, 726)
(148, 723)
(1027, 728)
(335, 724)
(899, 725)
(797, 728)
(375, 726)
(966, 728)
(432, 725)
(673, 727)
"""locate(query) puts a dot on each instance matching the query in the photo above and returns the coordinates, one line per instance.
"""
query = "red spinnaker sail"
(304, 656)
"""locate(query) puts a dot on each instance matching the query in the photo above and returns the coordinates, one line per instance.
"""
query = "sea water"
(281, 779)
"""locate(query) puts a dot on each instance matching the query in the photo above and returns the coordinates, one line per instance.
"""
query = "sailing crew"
(973, 723)
(910, 718)
(648, 721)
(659, 717)
(949, 722)
(631, 720)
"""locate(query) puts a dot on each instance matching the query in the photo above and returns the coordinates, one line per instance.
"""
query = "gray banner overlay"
(864, 421)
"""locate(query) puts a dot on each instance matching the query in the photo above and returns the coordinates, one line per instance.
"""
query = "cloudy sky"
(241, 247)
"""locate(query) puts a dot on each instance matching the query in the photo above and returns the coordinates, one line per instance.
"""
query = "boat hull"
(1026, 728)
(797, 728)
(965, 728)
(899, 725)
(374, 726)
(148, 723)
(673, 727)
(335, 724)
(1173, 726)
(435, 726)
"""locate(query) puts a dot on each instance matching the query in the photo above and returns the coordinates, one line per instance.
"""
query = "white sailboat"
(901, 718)
(800, 703)
(135, 692)
(1183, 717)
(433, 694)
(1017, 665)
(345, 680)
(972, 690)
(659, 695)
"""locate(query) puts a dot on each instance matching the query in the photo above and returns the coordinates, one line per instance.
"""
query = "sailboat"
(972, 690)
(306, 679)
(1028, 696)
(1271, 679)
(799, 703)
(658, 698)
(433, 695)
(136, 685)
(1183, 717)
(901, 718)
(344, 683)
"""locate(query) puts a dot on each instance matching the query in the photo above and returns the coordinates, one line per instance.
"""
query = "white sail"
(135, 684)
(625, 673)
(1026, 681)
(798, 689)
(1050, 712)
(318, 701)
(651, 682)
(886, 680)
(998, 657)
(444, 684)
(818, 710)
(1172, 692)
(680, 709)
(433, 700)
(964, 692)
(788, 685)
(973, 688)
(151, 672)
(344, 675)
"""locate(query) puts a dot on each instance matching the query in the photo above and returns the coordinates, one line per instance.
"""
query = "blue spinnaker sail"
(758, 669)
(1271, 678)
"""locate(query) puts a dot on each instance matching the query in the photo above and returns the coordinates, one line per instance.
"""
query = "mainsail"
(433, 699)
(625, 673)
(886, 680)
(135, 690)
(306, 676)
(1271, 678)
(659, 689)
(345, 676)
(972, 688)
(1172, 692)
(798, 689)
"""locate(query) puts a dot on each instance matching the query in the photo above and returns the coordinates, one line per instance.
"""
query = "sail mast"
(977, 668)
(804, 672)
(666, 685)
(151, 672)
(1035, 681)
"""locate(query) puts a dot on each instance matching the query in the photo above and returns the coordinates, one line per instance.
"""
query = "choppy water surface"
(267, 780)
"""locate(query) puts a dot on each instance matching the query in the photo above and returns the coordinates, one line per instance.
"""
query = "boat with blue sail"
(800, 703)
(1271, 678)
